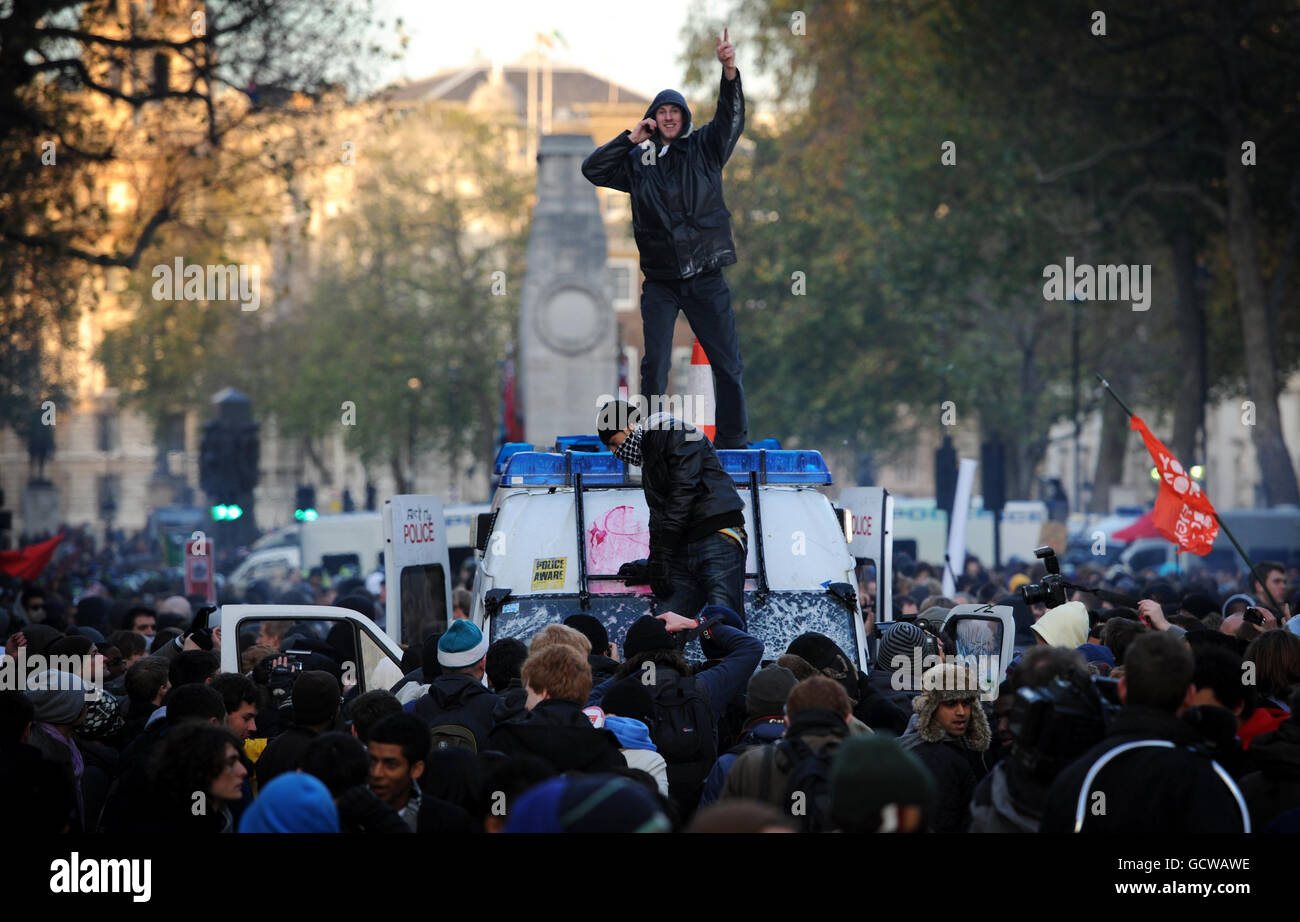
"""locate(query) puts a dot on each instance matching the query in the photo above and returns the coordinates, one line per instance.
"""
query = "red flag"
(1183, 513)
(29, 562)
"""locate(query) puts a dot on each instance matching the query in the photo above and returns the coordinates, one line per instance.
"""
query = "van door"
(367, 659)
(417, 568)
(985, 636)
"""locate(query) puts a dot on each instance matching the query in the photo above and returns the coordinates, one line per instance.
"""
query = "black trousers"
(706, 299)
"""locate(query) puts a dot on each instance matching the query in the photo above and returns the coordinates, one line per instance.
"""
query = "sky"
(632, 44)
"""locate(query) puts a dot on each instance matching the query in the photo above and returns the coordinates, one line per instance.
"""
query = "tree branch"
(1104, 152)
(63, 248)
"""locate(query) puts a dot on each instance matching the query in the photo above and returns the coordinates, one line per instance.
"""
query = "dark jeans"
(710, 571)
(707, 302)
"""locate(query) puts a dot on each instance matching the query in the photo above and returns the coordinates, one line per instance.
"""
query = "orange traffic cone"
(700, 387)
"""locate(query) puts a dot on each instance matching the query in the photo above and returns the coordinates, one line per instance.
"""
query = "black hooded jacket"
(1275, 788)
(455, 698)
(680, 221)
(689, 494)
(559, 732)
(1163, 790)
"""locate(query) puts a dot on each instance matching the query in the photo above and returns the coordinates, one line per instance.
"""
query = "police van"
(563, 521)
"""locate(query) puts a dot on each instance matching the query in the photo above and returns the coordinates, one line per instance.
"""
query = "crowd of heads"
(141, 728)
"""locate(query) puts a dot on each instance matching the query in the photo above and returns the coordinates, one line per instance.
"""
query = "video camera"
(1052, 590)
(1054, 724)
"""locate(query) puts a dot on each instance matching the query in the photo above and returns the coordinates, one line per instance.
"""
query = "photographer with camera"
(1055, 716)
(1164, 781)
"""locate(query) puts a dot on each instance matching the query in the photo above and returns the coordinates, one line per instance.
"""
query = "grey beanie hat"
(903, 639)
(768, 690)
(58, 697)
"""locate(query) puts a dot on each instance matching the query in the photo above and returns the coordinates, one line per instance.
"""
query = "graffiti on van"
(613, 539)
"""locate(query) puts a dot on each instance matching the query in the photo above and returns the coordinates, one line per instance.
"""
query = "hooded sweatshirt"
(639, 751)
(1064, 626)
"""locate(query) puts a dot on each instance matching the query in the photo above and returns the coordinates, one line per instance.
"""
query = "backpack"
(452, 736)
(685, 736)
(808, 782)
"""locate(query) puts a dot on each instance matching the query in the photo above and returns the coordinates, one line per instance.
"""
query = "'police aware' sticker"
(548, 572)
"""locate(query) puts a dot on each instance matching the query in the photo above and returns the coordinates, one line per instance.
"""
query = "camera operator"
(1155, 788)
(315, 701)
(1063, 626)
(1055, 716)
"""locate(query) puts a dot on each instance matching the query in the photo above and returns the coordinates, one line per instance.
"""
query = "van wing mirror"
(483, 530)
(493, 600)
(845, 593)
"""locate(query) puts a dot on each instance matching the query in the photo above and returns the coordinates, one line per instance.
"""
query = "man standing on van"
(683, 232)
(698, 543)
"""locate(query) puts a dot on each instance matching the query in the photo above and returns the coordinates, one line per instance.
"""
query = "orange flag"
(1183, 513)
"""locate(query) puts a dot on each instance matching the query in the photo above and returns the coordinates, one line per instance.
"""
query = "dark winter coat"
(679, 219)
(559, 732)
(957, 768)
(759, 732)
(1170, 791)
(283, 754)
(361, 811)
(754, 773)
(455, 698)
(511, 702)
(1275, 788)
(689, 494)
(1007, 801)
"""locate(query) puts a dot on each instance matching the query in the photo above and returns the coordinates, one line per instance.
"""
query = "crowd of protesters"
(571, 731)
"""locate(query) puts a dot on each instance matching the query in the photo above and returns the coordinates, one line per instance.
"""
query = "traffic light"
(306, 504)
(226, 512)
(945, 475)
(993, 468)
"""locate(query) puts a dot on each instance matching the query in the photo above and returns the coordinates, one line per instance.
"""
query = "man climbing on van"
(698, 543)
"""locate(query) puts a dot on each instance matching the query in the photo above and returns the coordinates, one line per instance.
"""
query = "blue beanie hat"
(1097, 653)
(292, 802)
(587, 803)
(462, 645)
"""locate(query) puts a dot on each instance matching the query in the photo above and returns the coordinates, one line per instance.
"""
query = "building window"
(110, 495)
(172, 432)
(623, 273)
(108, 434)
(161, 73)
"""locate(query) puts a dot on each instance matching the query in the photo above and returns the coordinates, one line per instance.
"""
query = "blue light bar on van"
(507, 451)
(598, 468)
(796, 467)
(579, 443)
(534, 469)
(551, 469)
(775, 466)
(543, 468)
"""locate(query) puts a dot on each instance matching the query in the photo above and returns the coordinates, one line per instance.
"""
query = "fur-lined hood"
(950, 682)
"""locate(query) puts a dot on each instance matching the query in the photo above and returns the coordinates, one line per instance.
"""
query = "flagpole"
(1224, 528)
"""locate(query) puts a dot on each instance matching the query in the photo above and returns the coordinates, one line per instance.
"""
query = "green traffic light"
(233, 512)
(219, 512)
(305, 515)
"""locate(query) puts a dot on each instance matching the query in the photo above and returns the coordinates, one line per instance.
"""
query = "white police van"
(564, 521)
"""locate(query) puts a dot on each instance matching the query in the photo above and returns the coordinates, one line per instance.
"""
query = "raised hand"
(726, 53)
